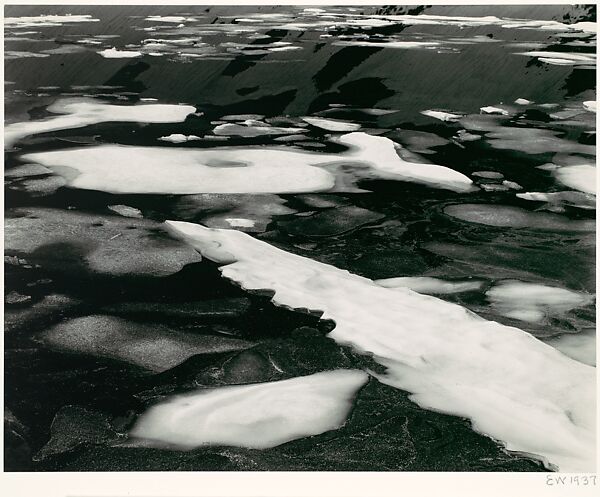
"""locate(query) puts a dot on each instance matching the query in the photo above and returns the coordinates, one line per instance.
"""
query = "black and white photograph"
(300, 238)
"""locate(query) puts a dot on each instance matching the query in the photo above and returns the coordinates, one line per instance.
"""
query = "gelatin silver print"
(300, 238)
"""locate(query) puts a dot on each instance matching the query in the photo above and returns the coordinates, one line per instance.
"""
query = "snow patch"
(258, 416)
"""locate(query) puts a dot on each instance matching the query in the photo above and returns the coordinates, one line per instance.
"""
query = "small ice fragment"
(488, 174)
(522, 101)
(590, 105)
(331, 124)
(178, 138)
(113, 53)
(126, 211)
(512, 185)
(237, 222)
(493, 110)
(442, 116)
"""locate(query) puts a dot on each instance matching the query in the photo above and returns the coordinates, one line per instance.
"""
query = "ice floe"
(390, 44)
(179, 138)
(506, 216)
(331, 124)
(579, 177)
(493, 110)
(429, 285)
(579, 346)
(76, 113)
(126, 211)
(152, 346)
(532, 140)
(258, 416)
(533, 301)
(522, 101)
(252, 130)
(169, 19)
(562, 58)
(590, 105)
(381, 153)
(442, 116)
(238, 169)
(69, 240)
(556, 200)
(46, 20)
(511, 386)
(113, 53)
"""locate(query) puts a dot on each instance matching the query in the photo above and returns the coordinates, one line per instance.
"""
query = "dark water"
(85, 403)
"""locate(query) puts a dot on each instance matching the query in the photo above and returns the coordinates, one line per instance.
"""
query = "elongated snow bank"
(512, 387)
(258, 416)
(128, 169)
(79, 112)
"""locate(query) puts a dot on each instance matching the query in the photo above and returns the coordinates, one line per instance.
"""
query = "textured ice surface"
(532, 301)
(515, 217)
(154, 347)
(512, 386)
(429, 285)
(79, 112)
(128, 169)
(70, 240)
(258, 416)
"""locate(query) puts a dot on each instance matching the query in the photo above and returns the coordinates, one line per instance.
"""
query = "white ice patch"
(238, 222)
(522, 101)
(258, 416)
(179, 138)
(113, 53)
(127, 169)
(126, 211)
(555, 200)
(331, 124)
(578, 346)
(493, 110)
(442, 116)
(582, 177)
(562, 58)
(390, 44)
(532, 302)
(251, 130)
(85, 112)
(513, 387)
(46, 20)
(169, 19)
(590, 105)
(430, 286)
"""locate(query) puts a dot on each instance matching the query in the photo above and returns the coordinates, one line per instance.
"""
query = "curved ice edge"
(549, 394)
